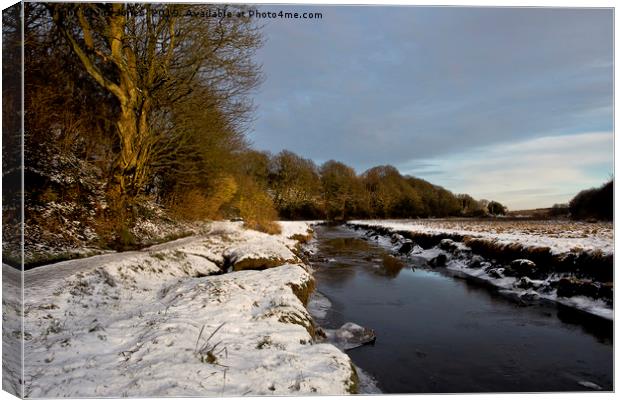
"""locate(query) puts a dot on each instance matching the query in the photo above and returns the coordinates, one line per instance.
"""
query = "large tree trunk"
(130, 170)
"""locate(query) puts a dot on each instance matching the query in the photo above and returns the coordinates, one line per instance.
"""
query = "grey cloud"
(379, 85)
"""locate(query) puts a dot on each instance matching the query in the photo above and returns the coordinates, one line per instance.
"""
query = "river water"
(437, 333)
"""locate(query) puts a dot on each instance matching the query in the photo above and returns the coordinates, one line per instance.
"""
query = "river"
(437, 333)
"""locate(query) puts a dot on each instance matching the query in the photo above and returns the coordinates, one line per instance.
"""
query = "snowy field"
(178, 319)
(521, 277)
(559, 236)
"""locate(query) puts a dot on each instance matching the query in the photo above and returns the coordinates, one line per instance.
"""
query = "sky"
(506, 104)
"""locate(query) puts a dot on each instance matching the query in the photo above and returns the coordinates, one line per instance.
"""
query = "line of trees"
(594, 203)
(302, 190)
(134, 106)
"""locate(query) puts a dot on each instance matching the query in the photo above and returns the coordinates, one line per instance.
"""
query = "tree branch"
(89, 65)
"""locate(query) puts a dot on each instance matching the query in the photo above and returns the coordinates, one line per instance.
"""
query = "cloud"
(387, 85)
(526, 174)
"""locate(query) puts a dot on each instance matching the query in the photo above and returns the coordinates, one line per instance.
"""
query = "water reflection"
(390, 266)
(347, 245)
(440, 334)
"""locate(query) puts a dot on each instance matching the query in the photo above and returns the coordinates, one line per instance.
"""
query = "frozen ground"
(166, 321)
(562, 238)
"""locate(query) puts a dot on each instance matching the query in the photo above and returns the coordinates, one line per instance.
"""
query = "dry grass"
(270, 227)
(258, 263)
(257, 209)
(304, 290)
(197, 205)
(302, 239)
(353, 384)
(550, 228)
(207, 351)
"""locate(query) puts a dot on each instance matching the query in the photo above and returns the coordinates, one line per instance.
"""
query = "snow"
(292, 228)
(367, 384)
(11, 330)
(259, 250)
(592, 306)
(252, 245)
(318, 305)
(590, 385)
(560, 236)
(165, 321)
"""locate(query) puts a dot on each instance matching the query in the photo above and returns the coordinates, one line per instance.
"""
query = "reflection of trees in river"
(390, 267)
(353, 253)
(335, 274)
(347, 245)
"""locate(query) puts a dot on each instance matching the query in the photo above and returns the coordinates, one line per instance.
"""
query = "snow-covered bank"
(560, 237)
(167, 321)
(578, 276)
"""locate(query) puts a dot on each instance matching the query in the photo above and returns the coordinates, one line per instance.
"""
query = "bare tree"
(158, 59)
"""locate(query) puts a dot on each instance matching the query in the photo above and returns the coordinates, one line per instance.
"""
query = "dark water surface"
(437, 333)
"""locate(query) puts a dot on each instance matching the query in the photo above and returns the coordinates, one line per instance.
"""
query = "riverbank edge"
(561, 266)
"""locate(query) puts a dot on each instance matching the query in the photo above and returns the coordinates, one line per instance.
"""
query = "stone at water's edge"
(350, 336)
(406, 247)
(438, 261)
(497, 273)
(571, 286)
(524, 267)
